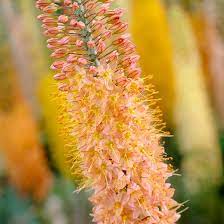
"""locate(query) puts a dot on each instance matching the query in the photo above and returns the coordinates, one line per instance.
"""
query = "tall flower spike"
(117, 139)
(214, 30)
(199, 143)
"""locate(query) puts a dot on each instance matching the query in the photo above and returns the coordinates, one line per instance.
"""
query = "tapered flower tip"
(89, 32)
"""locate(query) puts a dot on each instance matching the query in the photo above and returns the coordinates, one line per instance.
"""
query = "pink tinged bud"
(130, 60)
(68, 68)
(127, 44)
(52, 47)
(50, 8)
(106, 35)
(91, 44)
(134, 58)
(49, 21)
(64, 40)
(75, 6)
(116, 25)
(122, 39)
(126, 36)
(103, 9)
(113, 56)
(115, 19)
(90, 5)
(42, 17)
(121, 28)
(98, 25)
(59, 53)
(135, 73)
(59, 76)
(44, 25)
(101, 46)
(67, 2)
(52, 41)
(57, 65)
(61, 27)
(92, 69)
(77, 24)
(73, 22)
(79, 43)
(63, 19)
(40, 4)
(81, 25)
(129, 49)
(116, 12)
(52, 31)
(71, 58)
(122, 81)
(82, 61)
(70, 74)
(63, 87)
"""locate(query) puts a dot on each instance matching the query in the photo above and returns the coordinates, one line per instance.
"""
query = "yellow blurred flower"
(150, 31)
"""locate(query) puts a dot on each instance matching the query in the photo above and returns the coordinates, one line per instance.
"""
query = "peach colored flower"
(117, 140)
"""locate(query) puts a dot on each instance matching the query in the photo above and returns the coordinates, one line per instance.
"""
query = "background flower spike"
(197, 132)
(155, 48)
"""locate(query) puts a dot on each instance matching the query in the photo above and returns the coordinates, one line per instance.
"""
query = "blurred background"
(181, 44)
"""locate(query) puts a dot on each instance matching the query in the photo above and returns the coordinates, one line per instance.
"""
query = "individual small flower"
(117, 141)
(63, 19)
